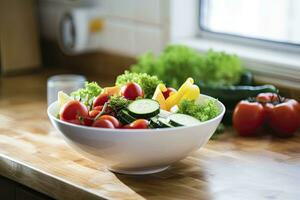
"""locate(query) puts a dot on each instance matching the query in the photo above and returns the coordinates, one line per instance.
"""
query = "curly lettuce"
(203, 112)
(177, 62)
(88, 93)
(148, 83)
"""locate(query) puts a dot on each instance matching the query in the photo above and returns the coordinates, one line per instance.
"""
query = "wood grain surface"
(229, 167)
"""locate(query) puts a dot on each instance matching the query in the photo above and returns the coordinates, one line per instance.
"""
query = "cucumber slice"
(154, 123)
(159, 122)
(144, 108)
(183, 120)
(125, 118)
(164, 123)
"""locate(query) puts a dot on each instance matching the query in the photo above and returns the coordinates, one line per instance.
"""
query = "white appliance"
(128, 27)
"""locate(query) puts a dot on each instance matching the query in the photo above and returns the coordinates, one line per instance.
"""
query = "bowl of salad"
(137, 126)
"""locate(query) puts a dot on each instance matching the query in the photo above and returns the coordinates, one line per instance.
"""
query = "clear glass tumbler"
(65, 82)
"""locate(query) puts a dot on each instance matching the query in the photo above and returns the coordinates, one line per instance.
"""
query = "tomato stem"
(102, 111)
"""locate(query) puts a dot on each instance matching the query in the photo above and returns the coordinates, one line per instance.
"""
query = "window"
(270, 20)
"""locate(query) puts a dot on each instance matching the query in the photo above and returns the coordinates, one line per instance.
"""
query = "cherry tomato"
(75, 121)
(73, 111)
(100, 100)
(284, 118)
(98, 108)
(248, 118)
(267, 97)
(103, 123)
(94, 113)
(138, 124)
(167, 93)
(88, 121)
(131, 91)
(112, 119)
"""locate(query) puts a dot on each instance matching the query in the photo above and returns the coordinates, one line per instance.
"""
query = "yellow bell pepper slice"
(192, 93)
(159, 97)
(183, 90)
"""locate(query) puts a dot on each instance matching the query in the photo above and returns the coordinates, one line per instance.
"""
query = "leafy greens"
(87, 94)
(178, 62)
(204, 111)
(148, 83)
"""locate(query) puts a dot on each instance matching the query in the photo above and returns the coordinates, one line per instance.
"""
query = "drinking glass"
(65, 82)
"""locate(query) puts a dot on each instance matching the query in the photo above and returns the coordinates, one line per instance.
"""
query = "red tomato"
(94, 113)
(88, 121)
(100, 100)
(103, 123)
(248, 118)
(98, 108)
(267, 97)
(112, 119)
(75, 121)
(284, 118)
(73, 111)
(127, 126)
(167, 93)
(138, 124)
(132, 90)
(268, 107)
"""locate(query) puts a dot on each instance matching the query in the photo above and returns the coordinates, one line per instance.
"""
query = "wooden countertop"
(230, 167)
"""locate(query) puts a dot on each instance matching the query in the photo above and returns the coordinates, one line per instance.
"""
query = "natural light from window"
(275, 20)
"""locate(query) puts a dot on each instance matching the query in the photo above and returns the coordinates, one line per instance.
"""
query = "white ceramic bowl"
(139, 151)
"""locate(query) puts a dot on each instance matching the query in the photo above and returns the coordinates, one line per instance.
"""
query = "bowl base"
(139, 171)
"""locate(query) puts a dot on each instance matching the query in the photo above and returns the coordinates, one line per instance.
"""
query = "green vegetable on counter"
(87, 94)
(147, 82)
(203, 112)
(178, 62)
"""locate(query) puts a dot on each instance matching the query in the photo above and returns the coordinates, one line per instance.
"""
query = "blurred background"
(102, 38)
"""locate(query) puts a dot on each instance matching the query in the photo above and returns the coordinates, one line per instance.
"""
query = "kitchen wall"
(128, 27)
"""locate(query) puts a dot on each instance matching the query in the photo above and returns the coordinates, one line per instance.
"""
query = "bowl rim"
(220, 115)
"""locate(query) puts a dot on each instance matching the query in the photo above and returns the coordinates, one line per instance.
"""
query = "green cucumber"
(183, 120)
(125, 117)
(164, 123)
(143, 108)
(159, 122)
(154, 123)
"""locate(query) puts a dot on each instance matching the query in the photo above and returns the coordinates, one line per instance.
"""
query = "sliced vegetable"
(63, 98)
(159, 97)
(125, 117)
(169, 92)
(111, 91)
(144, 108)
(187, 91)
(164, 123)
(183, 120)
(159, 122)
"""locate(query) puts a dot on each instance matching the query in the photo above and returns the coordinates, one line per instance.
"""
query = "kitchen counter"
(33, 154)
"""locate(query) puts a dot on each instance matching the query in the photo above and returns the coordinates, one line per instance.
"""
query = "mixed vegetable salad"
(136, 101)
